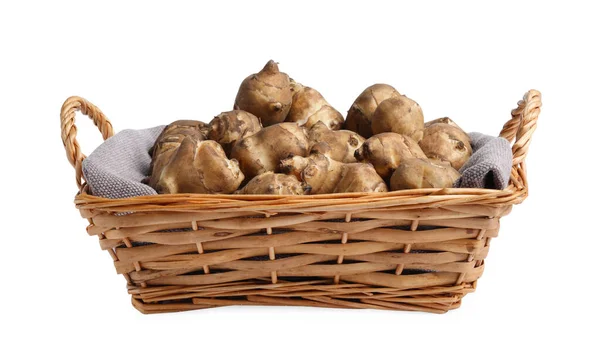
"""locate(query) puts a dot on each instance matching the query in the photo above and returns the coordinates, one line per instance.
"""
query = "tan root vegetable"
(361, 112)
(295, 86)
(294, 165)
(263, 151)
(196, 166)
(274, 184)
(229, 127)
(340, 145)
(400, 115)
(442, 120)
(170, 139)
(310, 107)
(325, 175)
(174, 133)
(446, 143)
(421, 173)
(266, 94)
(386, 151)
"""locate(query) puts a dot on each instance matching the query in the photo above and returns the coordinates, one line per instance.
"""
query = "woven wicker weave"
(407, 250)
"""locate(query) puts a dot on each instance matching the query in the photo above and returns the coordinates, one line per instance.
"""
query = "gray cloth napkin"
(489, 166)
(118, 166)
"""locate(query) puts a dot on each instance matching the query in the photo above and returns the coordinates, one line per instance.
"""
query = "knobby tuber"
(386, 151)
(266, 94)
(185, 162)
(361, 112)
(322, 175)
(444, 142)
(295, 87)
(422, 173)
(309, 107)
(229, 127)
(400, 115)
(442, 120)
(263, 151)
(274, 184)
(340, 145)
(170, 139)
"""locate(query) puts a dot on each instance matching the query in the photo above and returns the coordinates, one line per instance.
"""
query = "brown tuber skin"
(310, 107)
(361, 112)
(174, 133)
(183, 162)
(340, 145)
(229, 127)
(324, 175)
(262, 151)
(386, 151)
(295, 87)
(446, 143)
(294, 165)
(400, 115)
(274, 184)
(442, 120)
(421, 173)
(266, 94)
(171, 138)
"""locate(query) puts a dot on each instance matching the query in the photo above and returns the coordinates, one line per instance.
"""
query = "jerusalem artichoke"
(386, 151)
(266, 94)
(444, 142)
(400, 115)
(229, 127)
(361, 112)
(196, 166)
(309, 107)
(340, 145)
(442, 120)
(422, 173)
(262, 151)
(274, 184)
(325, 175)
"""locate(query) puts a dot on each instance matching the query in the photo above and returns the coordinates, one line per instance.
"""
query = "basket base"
(433, 300)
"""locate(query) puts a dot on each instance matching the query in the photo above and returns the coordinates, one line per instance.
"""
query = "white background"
(145, 64)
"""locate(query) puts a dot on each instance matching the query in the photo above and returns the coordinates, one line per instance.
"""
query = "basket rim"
(425, 198)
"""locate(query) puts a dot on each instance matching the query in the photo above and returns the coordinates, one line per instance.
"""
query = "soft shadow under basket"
(420, 250)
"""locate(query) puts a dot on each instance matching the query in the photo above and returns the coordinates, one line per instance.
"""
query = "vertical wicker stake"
(413, 227)
(200, 248)
(271, 254)
(340, 259)
(113, 255)
(136, 264)
(111, 251)
(480, 262)
(486, 245)
(479, 237)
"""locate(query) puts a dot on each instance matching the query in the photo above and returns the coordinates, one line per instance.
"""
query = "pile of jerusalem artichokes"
(285, 138)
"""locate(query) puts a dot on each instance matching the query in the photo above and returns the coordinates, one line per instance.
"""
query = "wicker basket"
(407, 250)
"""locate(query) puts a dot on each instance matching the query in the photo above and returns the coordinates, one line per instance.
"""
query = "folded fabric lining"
(117, 167)
(489, 166)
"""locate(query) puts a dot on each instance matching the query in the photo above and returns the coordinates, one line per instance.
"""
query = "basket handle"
(523, 123)
(69, 130)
